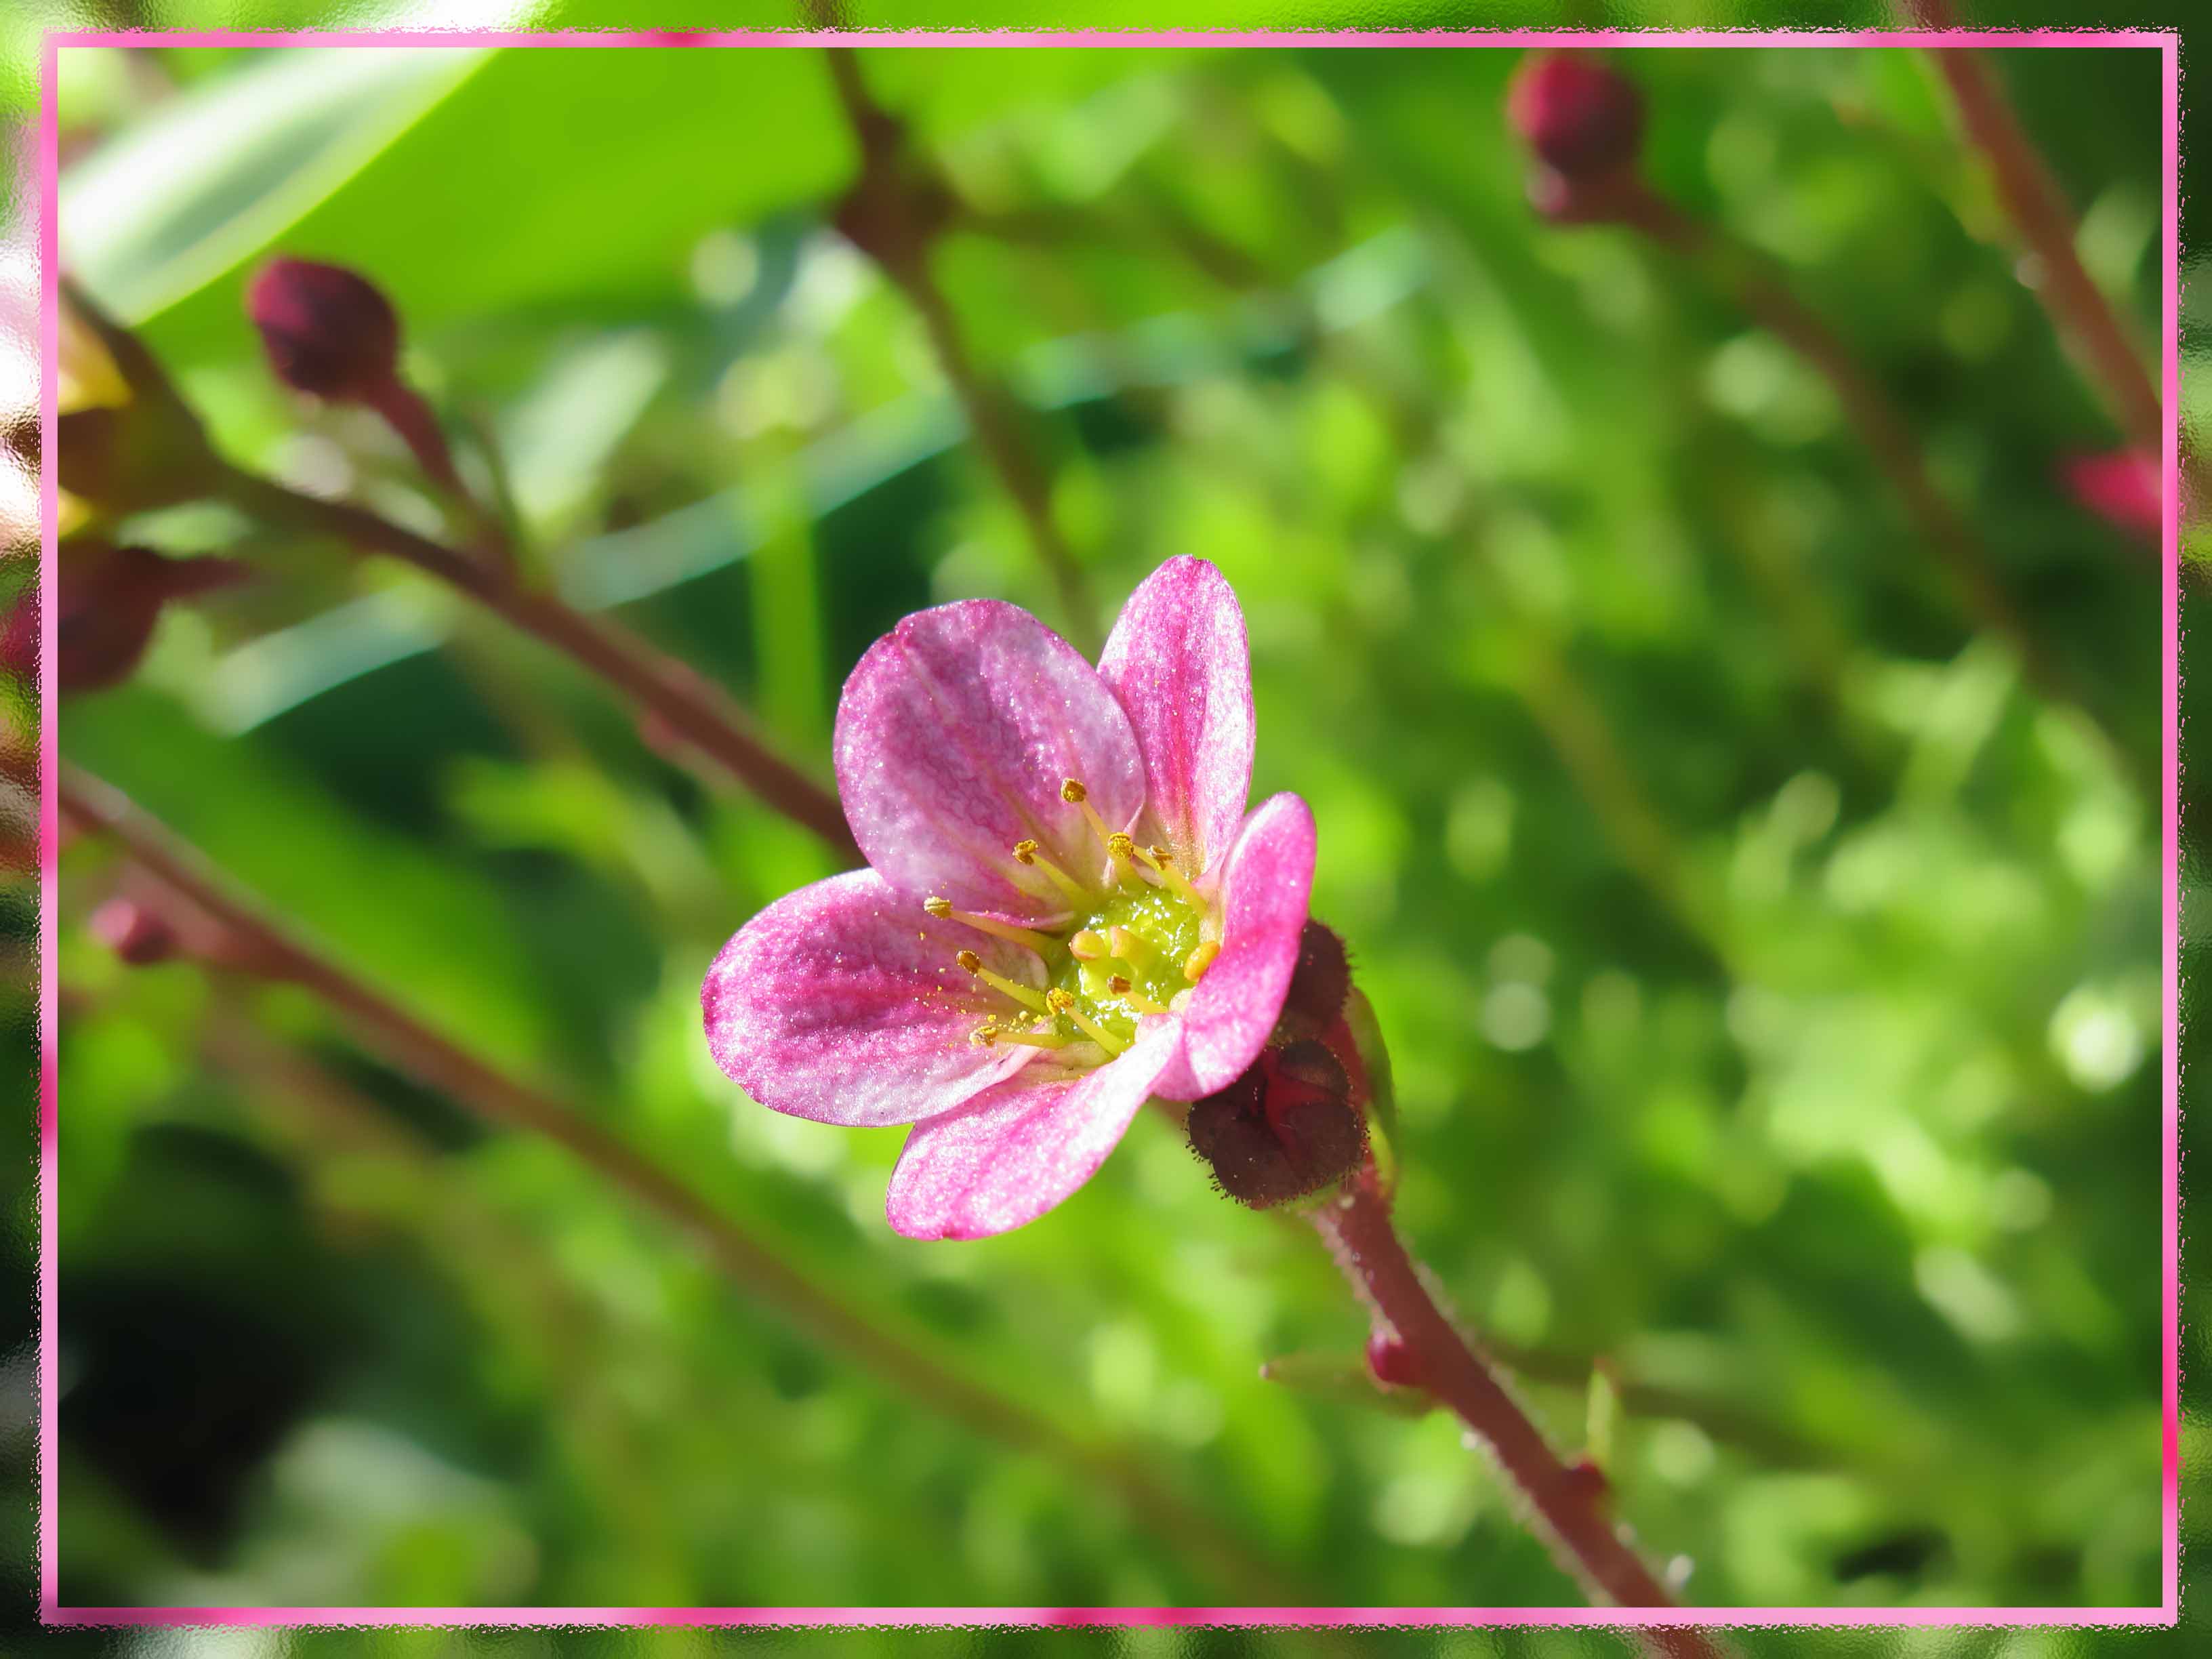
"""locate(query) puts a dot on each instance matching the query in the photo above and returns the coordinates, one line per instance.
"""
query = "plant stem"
(2039, 211)
(1881, 426)
(685, 702)
(902, 247)
(1570, 1503)
(254, 944)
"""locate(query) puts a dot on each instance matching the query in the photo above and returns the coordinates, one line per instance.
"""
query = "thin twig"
(1880, 425)
(255, 944)
(1570, 1502)
(689, 706)
(2036, 202)
(895, 224)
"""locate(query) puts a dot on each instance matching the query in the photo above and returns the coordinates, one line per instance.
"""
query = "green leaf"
(470, 185)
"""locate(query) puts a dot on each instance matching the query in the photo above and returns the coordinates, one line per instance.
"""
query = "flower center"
(1131, 947)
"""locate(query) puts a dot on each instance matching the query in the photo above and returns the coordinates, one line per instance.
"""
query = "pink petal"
(843, 1003)
(1178, 661)
(954, 735)
(1265, 890)
(1016, 1150)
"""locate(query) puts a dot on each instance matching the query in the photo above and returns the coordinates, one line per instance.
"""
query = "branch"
(690, 708)
(1880, 425)
(2039, 211)
(686, 702)
(1568, 1502)
(893, 215)
(251, 943)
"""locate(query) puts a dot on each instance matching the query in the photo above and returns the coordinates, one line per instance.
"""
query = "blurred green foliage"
(1772, 979)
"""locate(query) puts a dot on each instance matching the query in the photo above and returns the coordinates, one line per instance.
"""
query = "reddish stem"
(2036, 202)
(1881, 426)
(2038, 207)
(245, 940)
(686, 703)
(406, 412)
(896, 227)
(1568, 1504)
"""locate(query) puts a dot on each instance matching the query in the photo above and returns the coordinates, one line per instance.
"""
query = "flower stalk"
(225, 931)
(894, 215)
(1568, 1501)
(672, 694)
(2037, 205)
(685, 704)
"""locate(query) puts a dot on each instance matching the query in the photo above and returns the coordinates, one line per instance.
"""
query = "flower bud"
(1580, 116)
(1319, 984)
(1285, 1129)
(329, 333)
(1392, 1362)
(134, 933)
(2125, 488)
(111, 598)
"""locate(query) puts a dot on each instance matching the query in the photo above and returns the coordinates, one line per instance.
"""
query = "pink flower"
(1068, 910)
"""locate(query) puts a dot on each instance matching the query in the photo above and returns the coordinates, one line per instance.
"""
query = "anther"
(1026, 853)
(1072, 792)
(1122, 849)
(1064, 1004)
(1089, 946)
(1201, 958)
(943, 910)
(1024, 994)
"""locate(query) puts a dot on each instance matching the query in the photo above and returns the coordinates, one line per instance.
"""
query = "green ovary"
(1166, 927)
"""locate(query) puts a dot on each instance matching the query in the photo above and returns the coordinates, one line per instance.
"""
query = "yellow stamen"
(1162, 862)
(1121, 848)
(1201, 958)
(1130, 994)
(1131, 946)
(1064, 1004)
(1026, 853)
(1090, 946)
(1180, 1001)
(943, 910)
(1025, 995)
(1072, 792)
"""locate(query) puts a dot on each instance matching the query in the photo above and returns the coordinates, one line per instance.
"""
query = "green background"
(1772, 979)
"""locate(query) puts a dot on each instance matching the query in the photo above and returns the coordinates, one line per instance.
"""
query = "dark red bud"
(1580, 116)
(1285, 1129)
(329, 331)
(134, 933)
(2125, 488)
(111, 597)
(1392, 1362)
(1319, 984)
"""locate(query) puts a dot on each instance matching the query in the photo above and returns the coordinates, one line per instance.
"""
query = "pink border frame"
(51, 1613)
